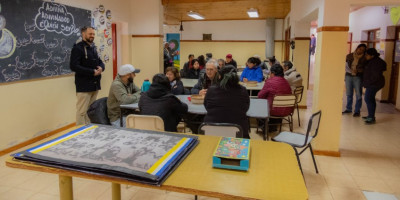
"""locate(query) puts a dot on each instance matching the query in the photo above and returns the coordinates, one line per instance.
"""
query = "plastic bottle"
(146, 85)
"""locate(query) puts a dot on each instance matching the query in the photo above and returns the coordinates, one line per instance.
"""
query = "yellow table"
(273, 174)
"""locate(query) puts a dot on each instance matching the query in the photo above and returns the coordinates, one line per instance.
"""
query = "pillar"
(146, 38)
(269, 41)
(279, 43)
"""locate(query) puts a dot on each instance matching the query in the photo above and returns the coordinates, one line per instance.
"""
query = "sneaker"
(346, 112)
(356, 114)
(370, 121)
(365, 117)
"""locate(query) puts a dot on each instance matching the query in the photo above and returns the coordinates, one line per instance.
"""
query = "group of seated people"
(225, 100)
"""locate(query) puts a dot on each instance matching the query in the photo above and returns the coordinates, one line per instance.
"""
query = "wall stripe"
(222, 40)
(333, 28)
(161, 36)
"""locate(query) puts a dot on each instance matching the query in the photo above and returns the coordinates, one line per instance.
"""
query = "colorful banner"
(173, 40)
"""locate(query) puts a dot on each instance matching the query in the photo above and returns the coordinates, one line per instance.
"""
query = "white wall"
(367, 18)
(279, 32)
(224, 30)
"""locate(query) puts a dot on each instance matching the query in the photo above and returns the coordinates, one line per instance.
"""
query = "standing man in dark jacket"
(87, 65)
(373, 81)
(354, 70)
(159, 100)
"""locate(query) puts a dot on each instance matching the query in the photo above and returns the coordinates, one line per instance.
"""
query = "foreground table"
(273, 174)
(258, 109)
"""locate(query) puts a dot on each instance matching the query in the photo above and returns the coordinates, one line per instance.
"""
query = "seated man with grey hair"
(207, 78)
(291, 75)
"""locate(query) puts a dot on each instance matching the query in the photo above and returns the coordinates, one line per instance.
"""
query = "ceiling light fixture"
(194, 15)
(253, 13)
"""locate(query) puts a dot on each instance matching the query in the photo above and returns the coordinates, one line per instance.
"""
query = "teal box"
(232, 153)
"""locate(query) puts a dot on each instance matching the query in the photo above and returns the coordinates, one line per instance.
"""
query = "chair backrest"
(313, 125)
(221, 129)
(97, 112)
(284, 100)
(145, 122)
(298, 92)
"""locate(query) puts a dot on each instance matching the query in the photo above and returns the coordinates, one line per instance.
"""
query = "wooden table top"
(273, 173)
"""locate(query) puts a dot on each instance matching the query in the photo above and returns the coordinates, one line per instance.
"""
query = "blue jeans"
(353, 83)
(369, 99)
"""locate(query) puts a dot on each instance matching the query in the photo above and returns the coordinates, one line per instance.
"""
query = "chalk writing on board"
(55, 18)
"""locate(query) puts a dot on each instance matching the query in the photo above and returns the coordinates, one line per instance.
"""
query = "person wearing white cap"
(122, 91)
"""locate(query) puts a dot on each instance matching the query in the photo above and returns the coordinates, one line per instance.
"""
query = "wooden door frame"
(287, 44)
(393, 87)
(114, 49)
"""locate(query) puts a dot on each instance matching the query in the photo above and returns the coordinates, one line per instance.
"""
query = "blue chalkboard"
(36, 38)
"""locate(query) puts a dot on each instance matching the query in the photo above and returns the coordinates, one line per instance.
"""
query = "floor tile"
(16, 194)
(378, 196)
(372, 184)
(42, 196)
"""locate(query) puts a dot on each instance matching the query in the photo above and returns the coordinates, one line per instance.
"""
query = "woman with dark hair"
(159, 100)
(175, 81)
(228, 101)
(188, 65)
(275, 85)
(373, 81)
(253, 71)
(202, 61)
(194, 72)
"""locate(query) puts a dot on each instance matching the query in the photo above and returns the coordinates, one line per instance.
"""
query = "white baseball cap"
(127, 69)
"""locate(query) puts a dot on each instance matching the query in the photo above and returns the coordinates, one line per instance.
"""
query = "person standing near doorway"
(88, 66)
(354, 71)
(373, 81)
(313, 43)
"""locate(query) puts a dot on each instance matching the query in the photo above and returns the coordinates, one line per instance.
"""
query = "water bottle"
(146, 85)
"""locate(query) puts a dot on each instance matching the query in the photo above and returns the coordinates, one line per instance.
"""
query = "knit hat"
(229, 55)
(127, 69)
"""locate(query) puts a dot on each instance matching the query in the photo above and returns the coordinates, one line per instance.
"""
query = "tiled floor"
(370, 160)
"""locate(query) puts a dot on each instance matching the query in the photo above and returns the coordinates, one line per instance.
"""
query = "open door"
(287, 44)
(114, 49)
(394, 77)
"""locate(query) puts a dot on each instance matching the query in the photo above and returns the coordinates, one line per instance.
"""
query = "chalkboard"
(36, 38)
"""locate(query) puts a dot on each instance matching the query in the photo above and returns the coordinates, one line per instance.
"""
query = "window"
(207, 36)
(373, 38)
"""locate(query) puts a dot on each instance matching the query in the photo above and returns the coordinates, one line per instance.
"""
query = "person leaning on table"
(228, 101)
(122, 91)
(210, 77)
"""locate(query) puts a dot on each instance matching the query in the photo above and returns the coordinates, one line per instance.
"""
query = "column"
(269, 41)
(147, 38)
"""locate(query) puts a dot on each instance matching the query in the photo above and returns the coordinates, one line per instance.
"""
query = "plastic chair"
(145, 122)
(286, 102)
(298, 140)
(298, 92)
(221, 129)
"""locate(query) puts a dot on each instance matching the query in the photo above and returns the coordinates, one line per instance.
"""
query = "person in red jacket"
(275, 85)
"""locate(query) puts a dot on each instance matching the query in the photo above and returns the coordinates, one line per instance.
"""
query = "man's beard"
(89, 39)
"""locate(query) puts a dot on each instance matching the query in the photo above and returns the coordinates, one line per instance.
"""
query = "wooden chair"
(145, 122)
(298, 92)
(221, 129)
(287, 101)
(298, 140)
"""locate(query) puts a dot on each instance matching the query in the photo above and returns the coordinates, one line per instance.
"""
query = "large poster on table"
(173, 40)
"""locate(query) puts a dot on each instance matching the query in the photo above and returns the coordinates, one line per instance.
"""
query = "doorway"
(287, 43)
(394, 77)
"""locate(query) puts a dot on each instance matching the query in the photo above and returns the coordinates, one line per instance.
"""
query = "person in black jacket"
(188, 65)
(228, 101)
(175, 81)
(373, 81)
(194, 72)
(230, 61)
(88, 66)
(207, 77)
(159, 100)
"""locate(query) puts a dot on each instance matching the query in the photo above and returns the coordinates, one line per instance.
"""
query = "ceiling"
(176, 10)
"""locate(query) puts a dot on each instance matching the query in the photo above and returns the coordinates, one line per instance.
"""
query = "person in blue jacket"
(253, 71)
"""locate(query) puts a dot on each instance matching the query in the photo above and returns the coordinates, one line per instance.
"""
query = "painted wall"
(34, 107)
(240, 51)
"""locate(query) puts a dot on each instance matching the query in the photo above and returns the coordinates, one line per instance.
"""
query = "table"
(258, 109)
(189, 83)
(273, 174)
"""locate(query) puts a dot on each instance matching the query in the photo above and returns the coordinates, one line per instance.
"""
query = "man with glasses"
(88, 66)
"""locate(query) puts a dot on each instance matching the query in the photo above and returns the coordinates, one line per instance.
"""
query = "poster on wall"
(397, 52)
(173, 40)
(101, 21)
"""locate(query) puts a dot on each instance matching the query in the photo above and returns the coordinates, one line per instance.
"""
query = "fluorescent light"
(195, 15)
(253, 13)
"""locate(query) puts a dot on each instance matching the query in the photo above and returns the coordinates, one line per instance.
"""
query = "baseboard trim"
(35, 139)
(327, 153)
(302, 107)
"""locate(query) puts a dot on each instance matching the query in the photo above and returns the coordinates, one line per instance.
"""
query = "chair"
(221, 129)
(145, 122)
(298, 92)
(297, 140)
(286, 103)
(97, 112)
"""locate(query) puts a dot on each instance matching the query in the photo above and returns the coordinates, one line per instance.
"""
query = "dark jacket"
(177, 87)
(373, 73)
(228, 106)
(83, 63)
(275, 86)
(192, 73)
(204, 82)
(159, 100)
(360, 65)
(233, 62)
